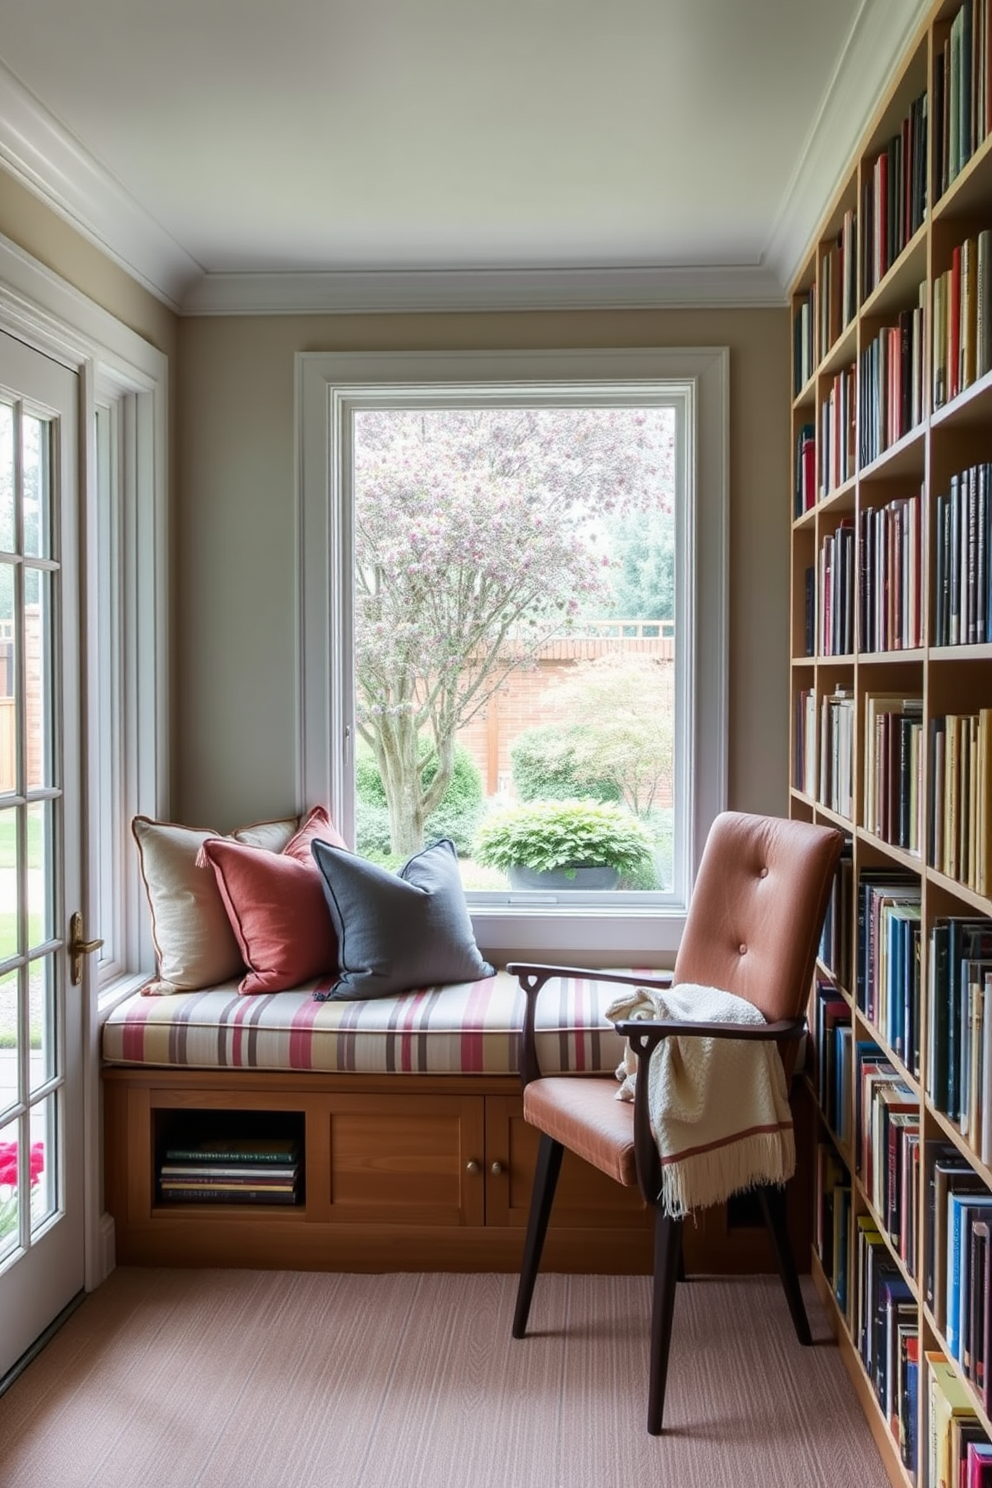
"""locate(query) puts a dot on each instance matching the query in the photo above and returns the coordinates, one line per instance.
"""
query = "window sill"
(117, 991)
(648, 938)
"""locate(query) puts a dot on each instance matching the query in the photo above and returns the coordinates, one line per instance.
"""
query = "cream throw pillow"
(194, 944)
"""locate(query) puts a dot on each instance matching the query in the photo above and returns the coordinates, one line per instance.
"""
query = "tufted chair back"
(757, 908)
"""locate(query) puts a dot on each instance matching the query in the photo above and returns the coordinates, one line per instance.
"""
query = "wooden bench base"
(401, 1173)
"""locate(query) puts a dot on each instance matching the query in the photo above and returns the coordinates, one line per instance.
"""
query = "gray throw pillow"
(398, 931)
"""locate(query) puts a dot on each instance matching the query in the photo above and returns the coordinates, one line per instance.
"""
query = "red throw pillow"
(277, 909)
(317, 824)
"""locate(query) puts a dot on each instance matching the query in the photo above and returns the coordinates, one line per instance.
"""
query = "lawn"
(8, 839)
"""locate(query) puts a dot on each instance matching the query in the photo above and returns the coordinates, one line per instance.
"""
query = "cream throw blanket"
(719, 1107)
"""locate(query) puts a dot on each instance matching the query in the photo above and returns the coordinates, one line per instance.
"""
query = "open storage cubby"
(891, 738)
(228, 1157)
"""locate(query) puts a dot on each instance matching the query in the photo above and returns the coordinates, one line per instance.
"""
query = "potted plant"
(572, 844)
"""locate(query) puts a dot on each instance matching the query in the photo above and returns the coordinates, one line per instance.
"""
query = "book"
(243, 1172)
(983, 302)
(208, 1194)
(960, 1206)
(969, 313)
(948, 1397)
(907, 1426)
(946, 1168)
(978, 1460)
(235, 1149)
(976, 1339)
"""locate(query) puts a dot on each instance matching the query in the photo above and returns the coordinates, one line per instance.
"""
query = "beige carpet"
(247, 1379)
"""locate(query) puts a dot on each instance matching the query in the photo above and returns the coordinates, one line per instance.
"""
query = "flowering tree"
(479, 534)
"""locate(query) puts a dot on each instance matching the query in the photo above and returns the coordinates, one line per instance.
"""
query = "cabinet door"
(381, 1159)
(585, 1198)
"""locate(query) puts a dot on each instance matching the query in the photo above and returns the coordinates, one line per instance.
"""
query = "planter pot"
(596, 879)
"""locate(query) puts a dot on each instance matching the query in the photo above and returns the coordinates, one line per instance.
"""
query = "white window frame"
(126, 376)
(328, 384)
(127, 665)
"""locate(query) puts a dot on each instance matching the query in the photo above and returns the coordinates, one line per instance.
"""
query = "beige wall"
(234, 745)
(27, 222)
(235, 740)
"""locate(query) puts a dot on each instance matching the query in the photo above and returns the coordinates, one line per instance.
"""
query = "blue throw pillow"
(398, 931)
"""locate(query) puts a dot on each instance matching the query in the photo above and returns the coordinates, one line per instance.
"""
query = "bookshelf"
(891, 739)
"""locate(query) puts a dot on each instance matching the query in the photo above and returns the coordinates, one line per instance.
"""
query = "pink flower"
(8, 1162)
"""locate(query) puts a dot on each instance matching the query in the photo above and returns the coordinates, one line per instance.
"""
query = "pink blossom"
(8, 1162)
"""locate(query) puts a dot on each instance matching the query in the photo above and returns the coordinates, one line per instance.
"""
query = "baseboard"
(106, 1247)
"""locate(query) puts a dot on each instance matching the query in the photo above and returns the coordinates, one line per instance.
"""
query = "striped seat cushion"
(468, 1028)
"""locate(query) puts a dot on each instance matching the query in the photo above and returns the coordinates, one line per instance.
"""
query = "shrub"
(456, 817)
(372, 837)
(547, 835)
(545, 767)
(466, 782)
(459, 822)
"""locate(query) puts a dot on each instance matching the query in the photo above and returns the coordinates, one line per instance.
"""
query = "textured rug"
(247, 1379)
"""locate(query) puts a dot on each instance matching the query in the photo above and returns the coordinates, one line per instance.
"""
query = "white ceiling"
(364, 154)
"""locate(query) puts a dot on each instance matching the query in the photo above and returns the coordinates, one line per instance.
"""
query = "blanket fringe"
(710, 1177)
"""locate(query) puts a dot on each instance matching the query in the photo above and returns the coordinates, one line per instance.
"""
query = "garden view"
(515, 599)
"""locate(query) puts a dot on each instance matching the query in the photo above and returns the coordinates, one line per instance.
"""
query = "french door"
(41, 1013)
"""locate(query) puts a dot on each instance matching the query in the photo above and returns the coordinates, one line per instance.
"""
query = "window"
(125, 703)
(354, 409)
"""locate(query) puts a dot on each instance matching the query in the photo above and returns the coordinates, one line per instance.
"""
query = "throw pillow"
(317, 824)
(398, 931)
(194, 944)
(275, 905)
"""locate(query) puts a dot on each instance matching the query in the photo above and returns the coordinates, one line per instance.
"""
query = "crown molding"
(40, 153)
(880, 36)
(357, 292)
(46, 158)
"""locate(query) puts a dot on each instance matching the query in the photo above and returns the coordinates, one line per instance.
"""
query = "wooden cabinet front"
(380, 1159)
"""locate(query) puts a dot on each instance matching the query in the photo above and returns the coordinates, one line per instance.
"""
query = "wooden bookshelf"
(891, 737)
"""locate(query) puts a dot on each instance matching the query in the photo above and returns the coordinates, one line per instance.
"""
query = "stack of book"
(231, 1170)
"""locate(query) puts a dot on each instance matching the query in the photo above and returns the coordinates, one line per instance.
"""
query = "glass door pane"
(41, 1221)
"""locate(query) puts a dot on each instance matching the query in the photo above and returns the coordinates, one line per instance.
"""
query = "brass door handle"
(78, 948)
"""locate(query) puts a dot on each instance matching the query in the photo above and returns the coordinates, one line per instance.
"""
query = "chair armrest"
(533, 975)
(541, 973)
(646, 1034)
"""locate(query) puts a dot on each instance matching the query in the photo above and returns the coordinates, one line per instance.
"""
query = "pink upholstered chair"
(752, 929)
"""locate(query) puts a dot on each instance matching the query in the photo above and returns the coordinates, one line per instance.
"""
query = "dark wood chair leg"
(772, 1201)
(667, 1264)
(549, 1156)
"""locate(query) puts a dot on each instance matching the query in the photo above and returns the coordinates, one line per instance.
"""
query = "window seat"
(470, 1028)
(415, 1154)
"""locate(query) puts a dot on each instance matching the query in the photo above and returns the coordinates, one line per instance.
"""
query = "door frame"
(111, 361)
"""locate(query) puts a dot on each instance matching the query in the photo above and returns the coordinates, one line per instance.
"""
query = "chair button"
(743, 949)
(763, 873)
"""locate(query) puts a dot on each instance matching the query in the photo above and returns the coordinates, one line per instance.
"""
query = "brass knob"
(472, 1166)
(496, 1169)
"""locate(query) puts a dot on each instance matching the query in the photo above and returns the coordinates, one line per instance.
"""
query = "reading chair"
(752, 929)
